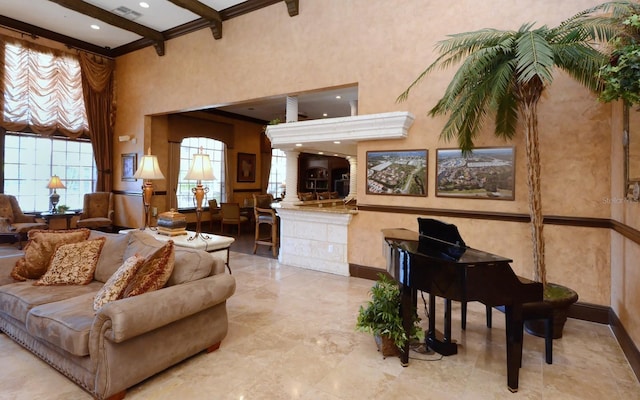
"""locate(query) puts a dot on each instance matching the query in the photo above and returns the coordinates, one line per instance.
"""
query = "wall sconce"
(148, 170)
(200, 170)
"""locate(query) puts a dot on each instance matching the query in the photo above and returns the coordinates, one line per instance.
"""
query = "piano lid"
(431, 247)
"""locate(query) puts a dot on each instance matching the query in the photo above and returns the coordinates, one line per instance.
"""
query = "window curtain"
(41, 90)
(99, 100)
(265, 161)
(229, 176)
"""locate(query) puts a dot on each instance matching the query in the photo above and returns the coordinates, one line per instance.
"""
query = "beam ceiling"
(206, 12)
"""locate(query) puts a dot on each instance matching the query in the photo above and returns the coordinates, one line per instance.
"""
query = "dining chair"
(231, 216)
(214, 213)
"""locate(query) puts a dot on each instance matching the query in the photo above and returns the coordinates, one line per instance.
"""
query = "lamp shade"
(149, 168)
(55, 183)
(201, 169)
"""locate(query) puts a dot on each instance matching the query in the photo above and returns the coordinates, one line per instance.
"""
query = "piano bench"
(538, 310)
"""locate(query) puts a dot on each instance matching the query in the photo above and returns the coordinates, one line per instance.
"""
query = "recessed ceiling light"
(298, 144)
(336, 142)
(144, 4)
(324, 114)
(94, 26)
(338, 97)
(321, 152)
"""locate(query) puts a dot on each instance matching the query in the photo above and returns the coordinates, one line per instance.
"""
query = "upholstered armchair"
(266, 215)
(97, 211)
(14, 222)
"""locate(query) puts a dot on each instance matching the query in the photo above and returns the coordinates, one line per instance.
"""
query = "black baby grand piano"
(437, 261)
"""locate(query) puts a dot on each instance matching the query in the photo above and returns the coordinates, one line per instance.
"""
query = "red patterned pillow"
(73, 263)
(155, 272)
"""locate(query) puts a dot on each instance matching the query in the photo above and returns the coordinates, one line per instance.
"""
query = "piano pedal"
(437, 343)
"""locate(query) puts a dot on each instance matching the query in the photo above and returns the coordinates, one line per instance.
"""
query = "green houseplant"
(503, 73)
(381, 317)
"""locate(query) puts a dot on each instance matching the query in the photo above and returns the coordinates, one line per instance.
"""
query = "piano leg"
(514, 329)
(408, 303)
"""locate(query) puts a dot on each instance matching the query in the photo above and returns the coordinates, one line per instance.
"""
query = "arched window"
(215, 150)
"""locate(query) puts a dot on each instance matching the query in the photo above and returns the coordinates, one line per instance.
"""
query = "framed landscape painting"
(485, 173)
(400, 173)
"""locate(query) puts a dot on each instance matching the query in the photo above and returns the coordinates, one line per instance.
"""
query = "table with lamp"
(54, 198)
(200, 170)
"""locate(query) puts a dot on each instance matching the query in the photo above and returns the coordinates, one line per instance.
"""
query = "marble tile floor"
(291, 336)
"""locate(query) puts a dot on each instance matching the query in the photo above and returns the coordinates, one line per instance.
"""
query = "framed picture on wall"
(399, 173)
(246, 167)
(129, 165)
(485, 173)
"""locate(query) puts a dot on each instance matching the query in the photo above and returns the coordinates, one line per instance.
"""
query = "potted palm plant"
(504, 73)
(381, 317)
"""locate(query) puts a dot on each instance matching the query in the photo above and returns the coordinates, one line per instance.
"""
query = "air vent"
(127, 13)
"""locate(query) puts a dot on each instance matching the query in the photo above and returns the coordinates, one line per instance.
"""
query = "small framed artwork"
(399, 173)
(129, 165)
(485, 173)
(246, 167)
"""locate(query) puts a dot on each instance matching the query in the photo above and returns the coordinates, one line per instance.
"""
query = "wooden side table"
(47, 216)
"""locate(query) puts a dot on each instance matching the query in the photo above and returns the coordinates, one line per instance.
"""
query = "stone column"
(353, 177)
(292, 109)
(291, 195)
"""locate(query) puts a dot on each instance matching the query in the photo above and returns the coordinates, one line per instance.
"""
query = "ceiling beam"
(293, 7)
(112, 19)
(206, 12)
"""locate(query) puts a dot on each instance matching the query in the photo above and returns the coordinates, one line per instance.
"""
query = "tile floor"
(291, 336)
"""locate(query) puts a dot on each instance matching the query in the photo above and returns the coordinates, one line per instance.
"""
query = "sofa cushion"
(40, 248)
(154, 273)
(112, 254)
(141, 243)
(73, 263)
(114, 288)
(17, 299)
(65, 324)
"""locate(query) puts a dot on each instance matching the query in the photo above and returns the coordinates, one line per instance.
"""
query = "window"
(31, 160)
(215, 150)
(278, 173)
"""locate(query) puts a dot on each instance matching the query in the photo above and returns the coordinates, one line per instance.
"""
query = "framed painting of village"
(485, 173)
(400, 172)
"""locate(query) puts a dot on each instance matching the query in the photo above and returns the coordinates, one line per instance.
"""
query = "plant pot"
(387, 346)
(561, 298)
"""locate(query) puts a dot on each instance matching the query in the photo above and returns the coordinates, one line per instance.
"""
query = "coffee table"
(218, 246)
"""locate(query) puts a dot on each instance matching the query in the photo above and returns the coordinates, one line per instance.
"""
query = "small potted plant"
(381, 317)
(62, 209)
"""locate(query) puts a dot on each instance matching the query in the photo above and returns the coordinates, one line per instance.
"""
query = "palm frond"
(534, 58)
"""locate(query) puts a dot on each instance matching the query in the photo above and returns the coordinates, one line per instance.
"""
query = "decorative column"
(353, 177)
(291, 195)
(292, 109)
(354, 107)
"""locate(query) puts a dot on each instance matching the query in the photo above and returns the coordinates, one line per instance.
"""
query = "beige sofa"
(127, 340)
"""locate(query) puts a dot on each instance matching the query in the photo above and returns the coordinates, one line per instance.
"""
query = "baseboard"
(590, 312)
(629, 348)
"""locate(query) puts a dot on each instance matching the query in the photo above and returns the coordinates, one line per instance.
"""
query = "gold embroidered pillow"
(155, 272)
(73, 263)
(114, 288)
(38, 251)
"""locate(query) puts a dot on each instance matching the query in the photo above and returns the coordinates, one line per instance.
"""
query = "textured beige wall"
(382, 46)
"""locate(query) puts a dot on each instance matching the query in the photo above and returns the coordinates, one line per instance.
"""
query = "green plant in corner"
(504, 73)
(381, 315)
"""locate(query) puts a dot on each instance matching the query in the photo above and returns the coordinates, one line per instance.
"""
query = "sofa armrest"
(127, 318)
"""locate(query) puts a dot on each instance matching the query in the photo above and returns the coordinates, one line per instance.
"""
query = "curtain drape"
(41, 90)
(229, 175)
(98, 90)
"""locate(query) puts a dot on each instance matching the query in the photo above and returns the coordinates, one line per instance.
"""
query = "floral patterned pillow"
(41, 246)
(73, 264)
(114, 288)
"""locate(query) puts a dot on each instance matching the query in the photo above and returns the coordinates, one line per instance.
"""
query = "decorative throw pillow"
(114, 288)
(73, 263)
(155, 272)
(40, 248)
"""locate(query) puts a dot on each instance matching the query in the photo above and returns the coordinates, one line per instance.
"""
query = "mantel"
(392, 125)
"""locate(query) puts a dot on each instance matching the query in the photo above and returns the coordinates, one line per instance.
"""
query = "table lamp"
(54, 198)
(148, 171)
(200, 170)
